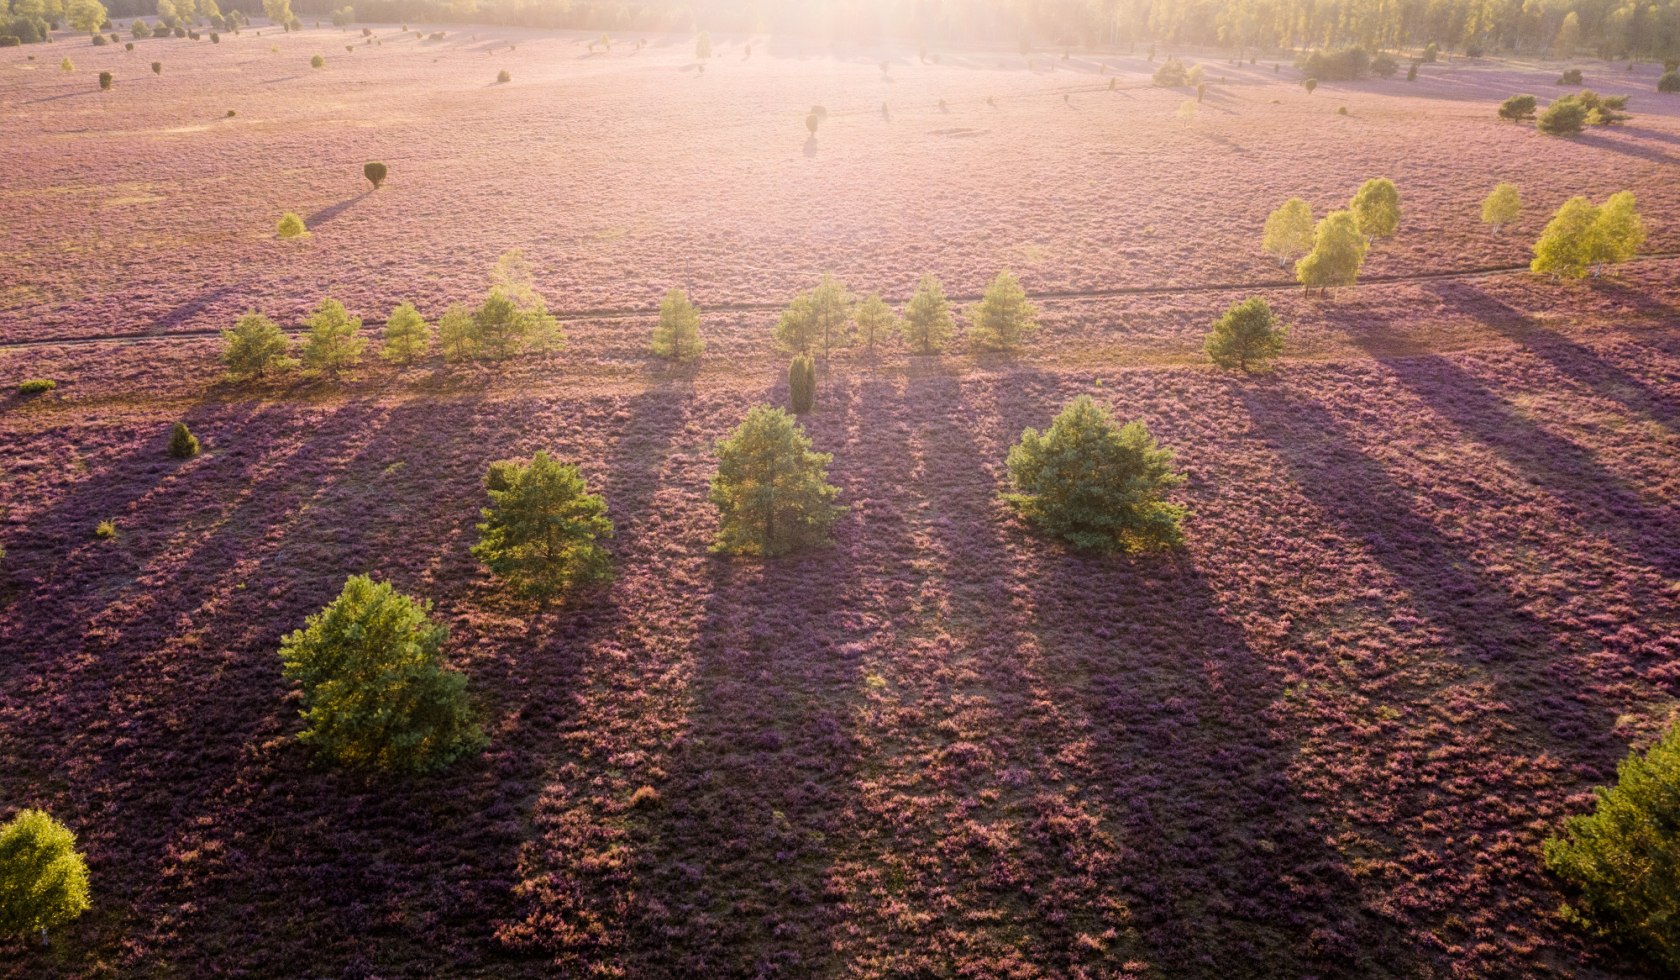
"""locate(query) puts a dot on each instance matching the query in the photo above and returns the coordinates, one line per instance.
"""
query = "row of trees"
(1331, 252)
(828, 316)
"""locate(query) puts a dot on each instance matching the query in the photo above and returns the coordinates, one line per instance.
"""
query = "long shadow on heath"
(332, 211)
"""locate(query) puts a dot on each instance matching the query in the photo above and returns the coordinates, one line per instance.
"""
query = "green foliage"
(1411, 72)
(1570, 76)
(157, 69)
(291, 226)
(376, 691)
(457, 334)
(874, 320)
(1582, 238)
(1096, 484)
(255, 347)
(1669, 82)
(85, 16)
(66, 64)
(927, 318)
(317, 62)
(1432, 53)
(1376, 208)
(802, 383)
(771, 489)
(819, 316)
(105, 530)
(1384, 66)
(375, 172)
(542, 533)
(1622, 861)
(36, 386)
(1564, 117)
(140, 30)
(1247, 336)
(1289, 231)
(182, 443)
(1502, 206)
(502, 77)
(1310, 84)
(1518, 108)
(1337, 254)
(677, 335)
(407, 336)
(334, 340)
(1171, 74)
(100, 40)
(344, 16)
(1344, 65)
(1004, 319)
(43, 878)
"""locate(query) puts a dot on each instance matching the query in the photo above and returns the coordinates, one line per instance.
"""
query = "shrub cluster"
(1339, 66)
(1583, 237)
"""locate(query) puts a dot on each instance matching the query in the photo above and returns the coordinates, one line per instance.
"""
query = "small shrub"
(1342, 111)
(375, 173)
(542, 533)
(43, 878)
(317, 62)
(1518, 108)
(182, 443)
(1570, 76)
(10, 41)
(100, 40)
(1310, 85)
(1246, 337)
(157, 67)
(1096, 484)
(377, 693)
(1384, 66)
(66, 64)
(1171, 74)
(1669, 82)
(105, 530)
(1344, 65)
(502, 77)
(1565, 117)
(771, 489)
(128, 46)
(291, 226)
(1411, 73)
(36, 386)
(105, 81)
(231, 114)
(802, 384)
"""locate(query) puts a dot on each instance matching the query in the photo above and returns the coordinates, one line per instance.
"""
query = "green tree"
(542, 533)
(1289, 231)
(375, 172)
(278, 11)
(376, 691)
(256, 346)
(771, 489)
(43, 878)
(1564, 117)
(1247, 335)
(1518, 108)
(1004, 319)
(1095, 483)
(182, 443)
(820, 316)
(334, 340)
(1338, 252)
(1617, 232)
(874, 321)
(802, 383)
(458, 334)
(927, 318)
(1622, 861)
(1562, 249)
(500, 326)
(1376, 208)
(678, 334)
(291, 226)
(407, 335)
(1502, 207)
(86, 16)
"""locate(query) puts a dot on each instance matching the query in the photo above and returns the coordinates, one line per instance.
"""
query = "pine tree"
(875, 321)
(182, 443)
(1376, 207)
(802, 384)
(678, 334)
(543, 531)
(43, 878)
(407, 335)
(1095, 483)
(1338, 252)
(1622, 861)
(255, 346)
(771, 489)
(1502, 207)
(376, 691)
(1003, 320)
(1289, 231)
(927, 318)
(1247, 336)
(458, 334)
(820, 317)
(334, 341)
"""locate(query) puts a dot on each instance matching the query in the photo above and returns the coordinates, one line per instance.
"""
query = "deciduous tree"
(1337, 254)
(43, 878)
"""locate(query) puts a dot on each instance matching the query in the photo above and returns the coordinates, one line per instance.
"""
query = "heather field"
(1430, 594)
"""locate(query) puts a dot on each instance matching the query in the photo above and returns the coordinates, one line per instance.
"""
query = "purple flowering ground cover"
(1431, 592)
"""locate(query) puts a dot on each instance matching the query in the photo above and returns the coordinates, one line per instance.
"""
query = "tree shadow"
(1636, 150)
(330, 212)
(185, 312)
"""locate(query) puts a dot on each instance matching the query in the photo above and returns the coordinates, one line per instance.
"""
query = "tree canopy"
(927, 318)
(1583, 238)
(771, 488)
(1376, 207)
(677, 335)
(1289, 231)
(43, 878)
(1337, 254)
(1004, 319)
(542, 532)
(1247, 336)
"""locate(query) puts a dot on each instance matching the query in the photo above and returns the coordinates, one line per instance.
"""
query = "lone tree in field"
(821, 317)
(334, 340)
(1338, 252)
(542, 533)
(43, 879)
(256, 347)
(375, 173)
(376, 691)
(407, 335)
(1622, 861)
(291, 226)
(1004, 319)
(1582, 238)
(1376, 207)
(1502, 207)
(677, 336)
(1095, 483)
(927, 318)
(1310, 84)
(1289, 231)
(1518, 108)
(105, 81)
(182, 443)
(771, 489)
(1247, 336)
(317, 62)
(875, 321)
(802, 384)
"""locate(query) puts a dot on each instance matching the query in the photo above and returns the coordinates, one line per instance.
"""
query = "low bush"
(1570, 76)
(157, 67)
(375, 173)
(36, 386)
(291, 226)
(502, 77)
(317, 62)
(105, 81)
(1518, 108)
(182, 443)
(105, 530)
(1171, 74)
(1669, 82)
(1384, 66)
